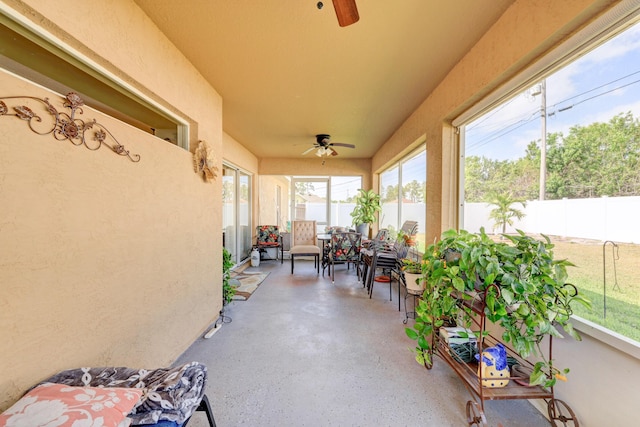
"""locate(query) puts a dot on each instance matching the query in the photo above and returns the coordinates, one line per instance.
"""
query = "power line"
(597, 87)
(489, 138)
(507, 130)
(595, 96)
(503, 134)
(476, 124)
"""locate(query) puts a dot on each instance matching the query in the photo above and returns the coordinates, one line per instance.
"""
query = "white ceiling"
(286, 71)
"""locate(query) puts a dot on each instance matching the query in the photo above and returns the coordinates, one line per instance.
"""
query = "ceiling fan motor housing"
(322, 138)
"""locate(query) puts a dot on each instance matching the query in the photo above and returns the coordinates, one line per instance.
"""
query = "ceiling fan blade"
(333, 152)
(346, 11)
(342, 144)
(308, 150)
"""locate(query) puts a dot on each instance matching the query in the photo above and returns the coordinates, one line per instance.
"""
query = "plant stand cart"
(560, 414)
(415, 296)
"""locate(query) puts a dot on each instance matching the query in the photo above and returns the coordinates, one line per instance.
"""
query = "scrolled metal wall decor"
(67, 126)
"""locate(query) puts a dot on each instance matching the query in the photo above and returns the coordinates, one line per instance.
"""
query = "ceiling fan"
(346, 11)
(324, 146)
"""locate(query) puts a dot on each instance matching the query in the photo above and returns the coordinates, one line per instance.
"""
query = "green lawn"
(623, 300)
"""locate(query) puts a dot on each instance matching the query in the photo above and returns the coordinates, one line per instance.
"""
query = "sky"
(594, 88)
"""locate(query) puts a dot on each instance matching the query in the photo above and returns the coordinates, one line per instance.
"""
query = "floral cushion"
(345, 246)
(381, 240)
(268, 235)
(59, 405)
(171, 394)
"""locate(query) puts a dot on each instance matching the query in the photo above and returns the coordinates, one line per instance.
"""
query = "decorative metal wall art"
(66, 126)
(204, 162)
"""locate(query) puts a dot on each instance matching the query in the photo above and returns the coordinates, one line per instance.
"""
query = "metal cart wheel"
(475, 415)
(560, 414)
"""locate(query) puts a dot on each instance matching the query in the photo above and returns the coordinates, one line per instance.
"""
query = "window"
(343, 191)
(327, 200)
(41, 59)
(561, 157)
(403, 193)
(311, 200)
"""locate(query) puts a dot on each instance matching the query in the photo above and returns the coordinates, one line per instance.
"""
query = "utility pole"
(543, 141)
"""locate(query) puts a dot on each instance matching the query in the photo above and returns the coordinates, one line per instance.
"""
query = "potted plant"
(412, 271)
(409, 240)
(524, 289)
(367, 204)
(228, 291)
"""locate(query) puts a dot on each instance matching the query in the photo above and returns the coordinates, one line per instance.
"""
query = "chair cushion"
(345, 246)
(268, 234)
(172, 393)
(61, 405)
(305, 249)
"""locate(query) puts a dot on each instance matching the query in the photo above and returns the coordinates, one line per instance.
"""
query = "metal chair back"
(345, 248)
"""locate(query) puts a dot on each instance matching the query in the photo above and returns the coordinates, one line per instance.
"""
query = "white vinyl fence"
(605, 218)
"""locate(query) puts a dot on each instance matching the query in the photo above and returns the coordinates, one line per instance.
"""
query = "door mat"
(246, 283)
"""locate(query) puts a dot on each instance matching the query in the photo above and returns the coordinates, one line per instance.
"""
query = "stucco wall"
(105, 261)
(268, 196)
(314, 166)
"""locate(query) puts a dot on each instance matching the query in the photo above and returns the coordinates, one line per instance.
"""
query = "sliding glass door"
(311, 200)
(236, 212)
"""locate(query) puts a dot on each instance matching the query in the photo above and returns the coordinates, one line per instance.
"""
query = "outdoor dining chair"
(380, 240)
(304, 242)
(344, 249)
(268, 237)
(388, 258)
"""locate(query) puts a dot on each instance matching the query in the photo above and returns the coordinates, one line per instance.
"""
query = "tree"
(484, 176)
(415, 191)
(390, 194)
(525, 174)
(304, 188)
(599, 159)
(504, 212)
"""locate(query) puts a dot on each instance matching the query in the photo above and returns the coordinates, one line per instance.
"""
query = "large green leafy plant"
(524, 288)
(367, 204)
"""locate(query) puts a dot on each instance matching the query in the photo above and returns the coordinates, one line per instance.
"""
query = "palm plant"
(504, 212)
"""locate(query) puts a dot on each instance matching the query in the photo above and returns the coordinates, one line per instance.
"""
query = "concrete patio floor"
(302, 351)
